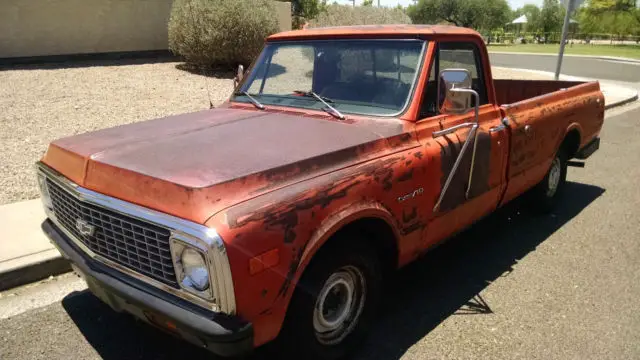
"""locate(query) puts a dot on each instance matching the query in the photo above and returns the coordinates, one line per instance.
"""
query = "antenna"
(206, 83)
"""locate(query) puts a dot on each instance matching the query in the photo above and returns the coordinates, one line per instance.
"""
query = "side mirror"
(453, 94)
(239, 76)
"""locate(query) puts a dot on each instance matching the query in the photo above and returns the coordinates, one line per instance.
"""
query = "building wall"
(61, 27)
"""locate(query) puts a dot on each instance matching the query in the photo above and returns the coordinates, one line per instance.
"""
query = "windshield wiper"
(255, 102)
(329, 109)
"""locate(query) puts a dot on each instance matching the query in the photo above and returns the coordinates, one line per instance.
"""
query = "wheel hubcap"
(339, 305)
(554, 177)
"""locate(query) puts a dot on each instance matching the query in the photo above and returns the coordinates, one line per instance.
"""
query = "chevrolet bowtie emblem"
(84, 227)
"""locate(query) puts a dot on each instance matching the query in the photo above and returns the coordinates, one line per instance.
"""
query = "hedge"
(340, 15)
(218, 33)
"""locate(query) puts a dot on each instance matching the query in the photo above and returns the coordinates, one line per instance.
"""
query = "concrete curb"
(621, 102)
(33, 272)
(26, 255)
(599, 57)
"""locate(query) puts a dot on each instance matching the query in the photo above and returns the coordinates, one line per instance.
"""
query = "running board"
(579, 164)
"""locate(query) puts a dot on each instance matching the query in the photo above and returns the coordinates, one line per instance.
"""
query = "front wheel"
(545, 196)
(333, 304)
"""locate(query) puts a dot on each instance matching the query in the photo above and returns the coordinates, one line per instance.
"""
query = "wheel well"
(571, 143)
(376, 232)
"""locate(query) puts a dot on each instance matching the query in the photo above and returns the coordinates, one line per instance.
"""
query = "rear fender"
(574, 126)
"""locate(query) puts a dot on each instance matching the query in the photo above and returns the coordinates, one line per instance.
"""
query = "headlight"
(195, 269)
(192, 269)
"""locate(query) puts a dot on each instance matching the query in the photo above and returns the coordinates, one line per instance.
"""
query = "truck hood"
(193, 165)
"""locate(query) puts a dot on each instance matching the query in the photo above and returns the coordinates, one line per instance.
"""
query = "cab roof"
(412, 31)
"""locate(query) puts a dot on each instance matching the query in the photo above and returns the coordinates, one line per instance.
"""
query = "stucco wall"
(60, 27)
(284, 15)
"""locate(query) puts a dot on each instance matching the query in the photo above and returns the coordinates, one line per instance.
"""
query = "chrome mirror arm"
(473, 133)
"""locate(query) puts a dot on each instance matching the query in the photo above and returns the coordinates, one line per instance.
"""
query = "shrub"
(339, 15)
(220, 32)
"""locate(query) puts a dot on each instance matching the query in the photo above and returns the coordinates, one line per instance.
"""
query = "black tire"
(299, 338)
(545, 196)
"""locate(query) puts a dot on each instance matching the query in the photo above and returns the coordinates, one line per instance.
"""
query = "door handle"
(505, 122)
(497, 128)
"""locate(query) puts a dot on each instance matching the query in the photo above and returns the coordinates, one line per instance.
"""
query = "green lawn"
(628, 51)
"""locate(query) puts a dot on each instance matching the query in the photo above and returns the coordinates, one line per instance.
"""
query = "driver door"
(443, 137)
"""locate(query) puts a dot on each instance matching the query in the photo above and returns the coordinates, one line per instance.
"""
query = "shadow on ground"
(457, 272)
(225, 73)
(208, 72)
(86, 60)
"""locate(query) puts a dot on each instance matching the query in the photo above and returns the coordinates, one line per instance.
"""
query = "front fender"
(335, 222)
(297, 220)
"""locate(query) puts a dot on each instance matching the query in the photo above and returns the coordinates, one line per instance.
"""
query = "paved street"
(563, 286)
(575, 66)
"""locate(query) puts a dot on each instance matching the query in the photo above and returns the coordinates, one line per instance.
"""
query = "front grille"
(133, 243)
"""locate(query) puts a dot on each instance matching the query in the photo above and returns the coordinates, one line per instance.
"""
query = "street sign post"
(570, 5)
(574, 5)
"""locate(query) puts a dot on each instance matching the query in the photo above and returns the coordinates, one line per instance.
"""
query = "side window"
(448, 55)
(463, 55)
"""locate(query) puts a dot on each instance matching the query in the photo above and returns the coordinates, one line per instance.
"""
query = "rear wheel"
(334, 303)
(545, 196)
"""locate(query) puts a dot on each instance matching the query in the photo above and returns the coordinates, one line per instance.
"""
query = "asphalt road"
(575, 66)
(561, 286)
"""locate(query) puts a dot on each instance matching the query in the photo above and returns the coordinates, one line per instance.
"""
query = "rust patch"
(413, 227)
(293, 268)
(405, 137)
(408, 217)
(408, 175)
(266, 312)
(456, 193)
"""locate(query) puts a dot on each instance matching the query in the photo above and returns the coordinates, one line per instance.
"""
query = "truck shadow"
(456, 271)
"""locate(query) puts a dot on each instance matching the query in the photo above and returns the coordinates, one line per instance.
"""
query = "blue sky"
(514, 3)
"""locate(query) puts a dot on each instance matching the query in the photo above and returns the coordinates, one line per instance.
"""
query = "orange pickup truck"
(343, 154)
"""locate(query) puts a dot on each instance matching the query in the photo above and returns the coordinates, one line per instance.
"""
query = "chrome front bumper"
(222, 334)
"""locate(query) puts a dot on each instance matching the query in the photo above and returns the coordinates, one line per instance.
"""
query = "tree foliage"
(551, 16)
(477, 14)
(620, 17)
(305, 10)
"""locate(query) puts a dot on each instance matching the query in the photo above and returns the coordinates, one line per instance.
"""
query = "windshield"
(372, 77)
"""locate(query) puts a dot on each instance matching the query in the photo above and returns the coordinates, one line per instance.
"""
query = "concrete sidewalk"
(599, 57)
(614, 94)
(26, 255)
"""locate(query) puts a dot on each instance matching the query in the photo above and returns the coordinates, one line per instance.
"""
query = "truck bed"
(513, 91)
(540, 115)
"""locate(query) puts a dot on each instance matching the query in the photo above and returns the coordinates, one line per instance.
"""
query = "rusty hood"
(193, 165)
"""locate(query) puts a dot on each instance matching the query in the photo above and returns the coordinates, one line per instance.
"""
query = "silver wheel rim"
(554, 177)
(339, 305)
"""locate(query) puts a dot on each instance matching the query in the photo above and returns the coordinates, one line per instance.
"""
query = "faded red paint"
(287, 179)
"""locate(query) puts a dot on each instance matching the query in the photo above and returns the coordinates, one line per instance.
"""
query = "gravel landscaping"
(43, 103)
(46, 102)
